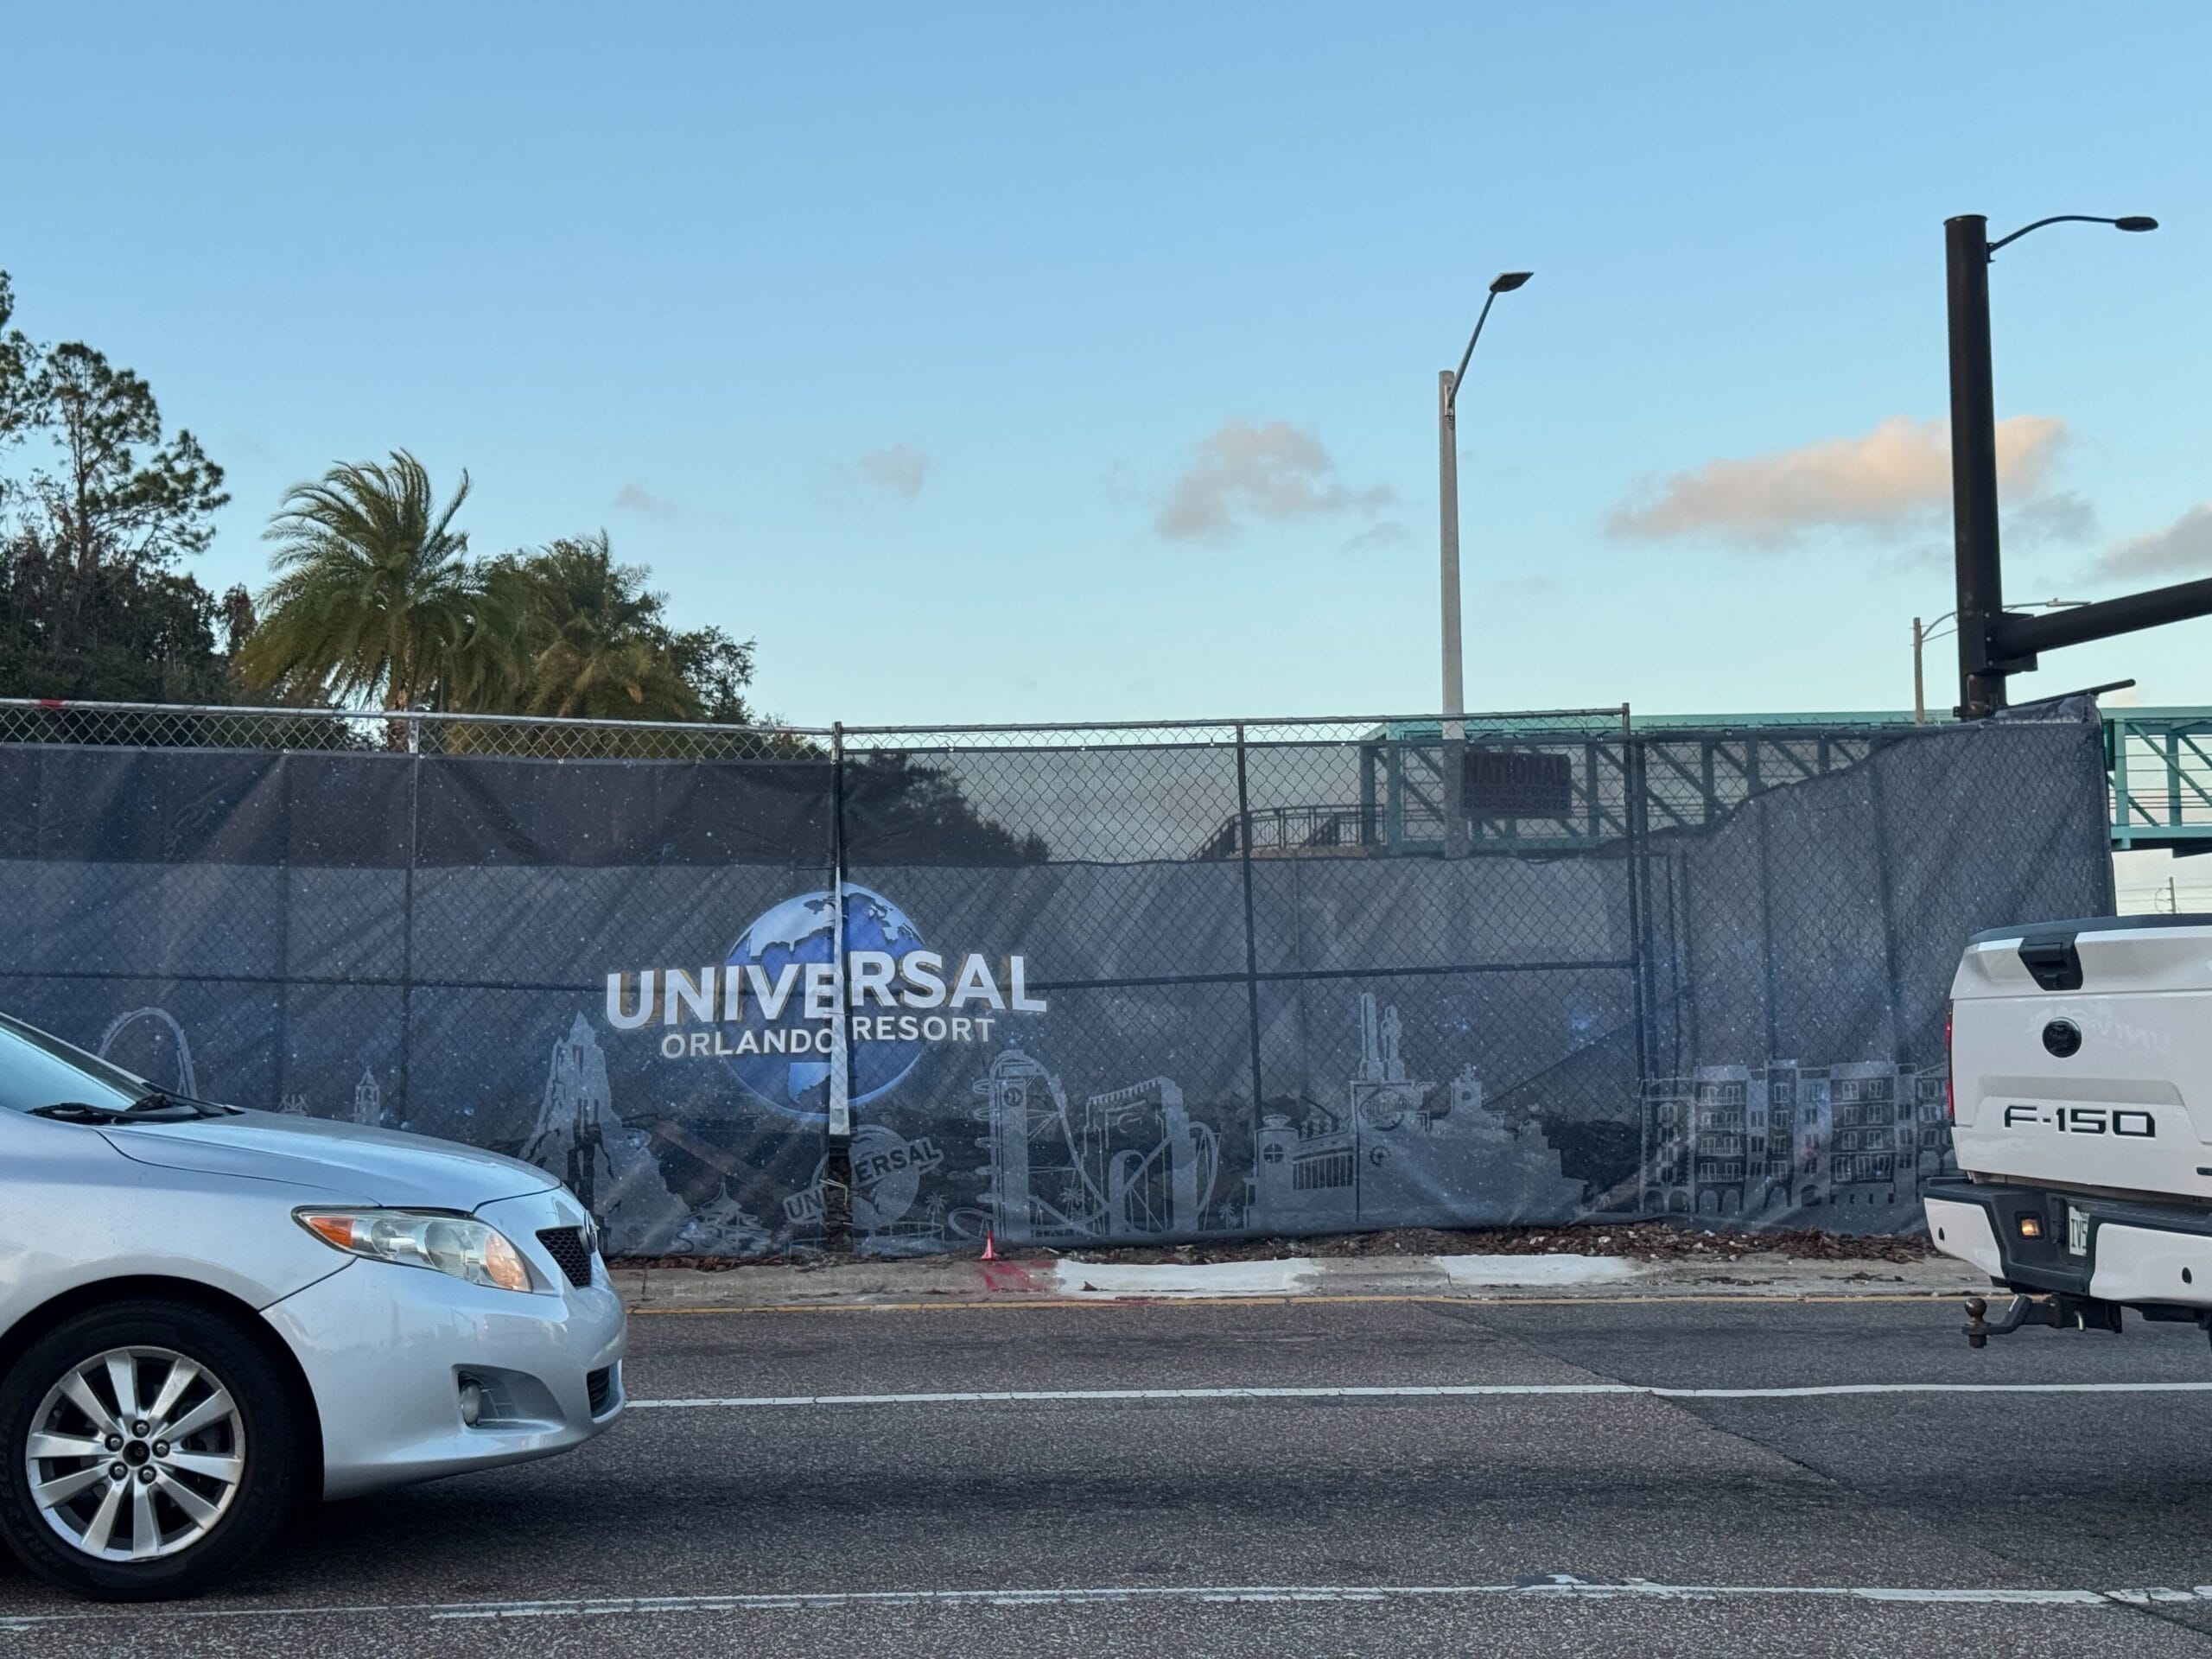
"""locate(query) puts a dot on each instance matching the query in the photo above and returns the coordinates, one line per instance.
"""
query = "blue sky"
(1004, 362)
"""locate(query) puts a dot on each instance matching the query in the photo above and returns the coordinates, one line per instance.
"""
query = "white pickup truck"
(2081, 1114)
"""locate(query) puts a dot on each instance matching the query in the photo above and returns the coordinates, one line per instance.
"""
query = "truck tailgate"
(2081, 1055)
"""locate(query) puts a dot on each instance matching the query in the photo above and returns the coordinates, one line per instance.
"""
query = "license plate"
(2077, 1231)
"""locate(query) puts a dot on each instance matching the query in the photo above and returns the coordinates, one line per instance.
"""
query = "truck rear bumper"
(2138, 1255)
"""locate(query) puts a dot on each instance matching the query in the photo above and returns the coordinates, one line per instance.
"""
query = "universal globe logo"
(769, 1009)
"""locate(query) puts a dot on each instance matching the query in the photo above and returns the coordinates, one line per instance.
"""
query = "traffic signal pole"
(1993, 644)
(1973, 465)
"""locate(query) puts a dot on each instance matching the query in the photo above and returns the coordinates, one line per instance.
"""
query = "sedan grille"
(570, 1253)
(599, 1387)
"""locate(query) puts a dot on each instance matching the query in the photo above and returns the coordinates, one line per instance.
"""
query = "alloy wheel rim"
(135, 1453)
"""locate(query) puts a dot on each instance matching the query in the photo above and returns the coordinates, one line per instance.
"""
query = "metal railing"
(2160, 762)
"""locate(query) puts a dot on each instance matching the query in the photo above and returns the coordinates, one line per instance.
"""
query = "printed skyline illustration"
(1852, 1141)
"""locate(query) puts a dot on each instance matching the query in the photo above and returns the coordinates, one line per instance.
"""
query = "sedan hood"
(357, 1164)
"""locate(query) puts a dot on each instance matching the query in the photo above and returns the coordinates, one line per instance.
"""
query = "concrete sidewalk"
(954, 1280)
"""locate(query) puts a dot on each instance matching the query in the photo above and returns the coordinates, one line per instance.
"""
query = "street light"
(2126, 222)
(1447, 436)
(1984, 661)
(1935, 630)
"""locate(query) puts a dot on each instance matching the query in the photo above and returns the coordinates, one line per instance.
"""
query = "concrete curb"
(957, 1282)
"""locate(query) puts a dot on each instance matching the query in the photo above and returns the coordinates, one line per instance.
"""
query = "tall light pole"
(1989, 649)
(1447, 459)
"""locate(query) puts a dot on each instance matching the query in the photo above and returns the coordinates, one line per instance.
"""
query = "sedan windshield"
(38, 1071)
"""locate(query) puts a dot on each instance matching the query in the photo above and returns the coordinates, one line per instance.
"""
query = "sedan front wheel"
(151, 1448)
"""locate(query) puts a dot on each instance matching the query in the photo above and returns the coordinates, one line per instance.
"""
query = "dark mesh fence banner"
(1146, 983)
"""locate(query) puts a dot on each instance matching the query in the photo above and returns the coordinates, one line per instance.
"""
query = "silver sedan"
(209, 1315)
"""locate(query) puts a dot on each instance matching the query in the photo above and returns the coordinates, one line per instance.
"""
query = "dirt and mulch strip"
(1642, 1240)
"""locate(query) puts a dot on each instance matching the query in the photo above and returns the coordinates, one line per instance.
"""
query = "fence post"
(838, 1151)
(1899, 1049)
(407, 932)
(1639, 905)
(1758, 810)
(1451, 766)
(1251, 932)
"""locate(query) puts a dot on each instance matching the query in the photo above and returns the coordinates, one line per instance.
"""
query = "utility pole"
(1447, 496)
(1919, 677)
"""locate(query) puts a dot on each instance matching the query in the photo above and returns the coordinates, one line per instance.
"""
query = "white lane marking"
(1409, 1391)
(1209, 1594)
(1564, 1586)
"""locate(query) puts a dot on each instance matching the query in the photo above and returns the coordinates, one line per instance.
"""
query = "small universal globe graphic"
(798, 931)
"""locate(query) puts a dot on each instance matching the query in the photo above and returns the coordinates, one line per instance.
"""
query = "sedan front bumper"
(386, 1348)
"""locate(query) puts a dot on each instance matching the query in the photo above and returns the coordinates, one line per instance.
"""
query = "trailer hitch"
(2060, 1313)
(1979, 1328)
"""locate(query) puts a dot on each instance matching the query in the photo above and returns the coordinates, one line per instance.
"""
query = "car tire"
(182, 1513)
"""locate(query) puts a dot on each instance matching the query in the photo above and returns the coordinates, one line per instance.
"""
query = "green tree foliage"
(96, 508)
(594, 642)
(375, 597)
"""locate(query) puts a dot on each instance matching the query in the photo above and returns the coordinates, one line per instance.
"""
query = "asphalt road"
(1562, 1514)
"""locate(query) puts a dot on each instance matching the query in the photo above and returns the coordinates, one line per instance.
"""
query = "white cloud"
(1910, 558)
(636, 498)
(2182, 548)
(1384, 534)
(1521, 588)
(2061, 516)
(1894, 480)
(1267, 470)
(898, 469)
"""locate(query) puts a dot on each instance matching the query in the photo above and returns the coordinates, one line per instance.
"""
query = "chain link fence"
(1098, 983)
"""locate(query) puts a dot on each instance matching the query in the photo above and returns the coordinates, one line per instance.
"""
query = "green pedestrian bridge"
(1559, 780)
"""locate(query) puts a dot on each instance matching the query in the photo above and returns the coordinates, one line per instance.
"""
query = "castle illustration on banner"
(1404, 1152)
(1132, 1162)
(613, 1169)
(368, 1102)
(610, 1166)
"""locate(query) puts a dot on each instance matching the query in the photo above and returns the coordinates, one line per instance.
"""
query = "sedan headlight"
(459, 1245)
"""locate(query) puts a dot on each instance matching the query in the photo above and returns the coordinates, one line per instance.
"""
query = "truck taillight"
(1950, 1096)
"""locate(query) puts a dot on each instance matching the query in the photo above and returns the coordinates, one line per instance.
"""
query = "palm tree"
(595, 645)
(374, 596)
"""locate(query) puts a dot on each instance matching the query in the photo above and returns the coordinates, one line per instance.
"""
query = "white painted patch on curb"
(1555, 1269)
(1193, 1279)
(1296, 1274)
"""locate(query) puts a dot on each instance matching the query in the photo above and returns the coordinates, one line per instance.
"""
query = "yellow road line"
(1916, 1298)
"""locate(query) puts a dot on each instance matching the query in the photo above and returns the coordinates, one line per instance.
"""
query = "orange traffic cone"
(990, 1245)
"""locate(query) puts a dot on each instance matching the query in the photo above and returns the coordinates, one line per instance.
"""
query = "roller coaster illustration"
(1133, 1165)
(163, 1023)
